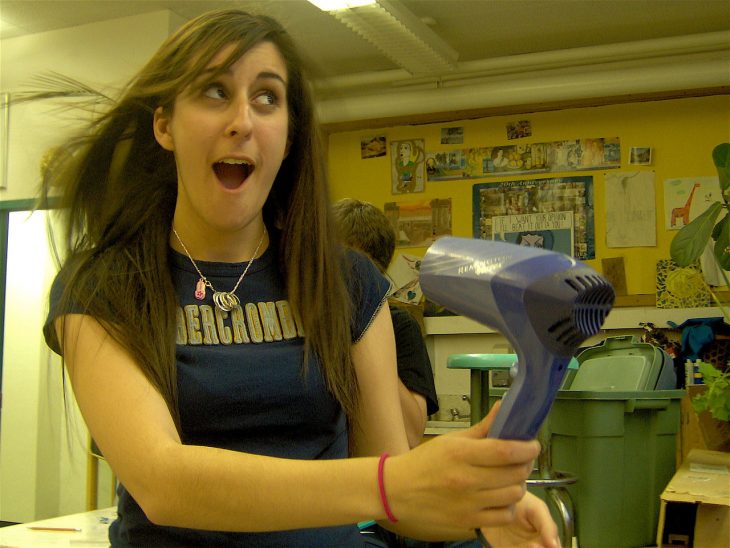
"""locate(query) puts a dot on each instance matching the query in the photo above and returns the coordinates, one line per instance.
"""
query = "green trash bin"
(622, 448)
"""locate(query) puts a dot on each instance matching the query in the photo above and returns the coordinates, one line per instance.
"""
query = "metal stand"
(555, 484)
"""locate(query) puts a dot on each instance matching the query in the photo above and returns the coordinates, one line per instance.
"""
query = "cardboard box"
(695, 506)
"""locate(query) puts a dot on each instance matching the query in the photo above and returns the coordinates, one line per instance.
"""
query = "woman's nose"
(240, 123)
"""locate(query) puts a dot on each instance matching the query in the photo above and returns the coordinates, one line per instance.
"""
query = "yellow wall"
(681, 132)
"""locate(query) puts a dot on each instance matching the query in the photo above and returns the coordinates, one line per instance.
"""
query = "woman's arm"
(375, 358)
(442, 489)
(414, 414)
(194, 486)
(380, 423)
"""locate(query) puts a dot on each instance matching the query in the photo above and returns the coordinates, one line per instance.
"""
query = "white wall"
(104, 55)
(43, 438)
(42, 464)
(30, 428)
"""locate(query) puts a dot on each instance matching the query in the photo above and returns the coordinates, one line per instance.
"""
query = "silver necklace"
(225, 300)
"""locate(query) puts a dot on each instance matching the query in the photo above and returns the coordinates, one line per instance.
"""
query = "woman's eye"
(215, 91)
(266, 98)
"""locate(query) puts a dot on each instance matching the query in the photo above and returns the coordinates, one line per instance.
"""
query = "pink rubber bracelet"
(381, 488)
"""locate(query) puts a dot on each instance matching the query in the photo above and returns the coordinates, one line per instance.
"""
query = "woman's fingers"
(486, 451)
(481, 429)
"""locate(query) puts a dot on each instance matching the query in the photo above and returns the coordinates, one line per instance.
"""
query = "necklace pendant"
(200, 290)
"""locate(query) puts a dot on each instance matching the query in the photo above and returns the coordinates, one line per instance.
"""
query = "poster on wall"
(680, 287)
(640, 156)
(536, 158)
(519, 129)
(553, 231)
(418, 224)
(372, 147)
(452, 135)
(408, 171)
(553, 197)
(630, 209)
(686, 198)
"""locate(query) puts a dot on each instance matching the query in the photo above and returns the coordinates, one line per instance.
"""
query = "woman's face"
(229, 137)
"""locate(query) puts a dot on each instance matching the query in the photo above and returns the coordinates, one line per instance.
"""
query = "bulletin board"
(556, 209)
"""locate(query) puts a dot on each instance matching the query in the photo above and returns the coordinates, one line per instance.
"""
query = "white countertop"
(442, 427)
(618, 318)
(84, 529)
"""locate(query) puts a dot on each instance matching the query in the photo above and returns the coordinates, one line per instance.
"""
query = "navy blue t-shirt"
(242, 387)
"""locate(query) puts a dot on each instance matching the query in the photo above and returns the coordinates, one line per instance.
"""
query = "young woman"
(226, 356)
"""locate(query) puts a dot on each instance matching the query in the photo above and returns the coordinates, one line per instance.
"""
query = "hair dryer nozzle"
(545, 303)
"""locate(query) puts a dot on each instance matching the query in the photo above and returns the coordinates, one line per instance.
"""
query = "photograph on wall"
(680, 287)
(528, 197)
(408, 159)
(418, 224)
(403, 273)
(630, 209)
(372, 147)
(452, 135)
(518, 130)
(686, 198)
(553, 231)
(640, 156)
(535, 158)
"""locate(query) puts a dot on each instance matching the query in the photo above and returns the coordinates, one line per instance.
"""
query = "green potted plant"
(686, 248)
(690, 241)
(716, 397)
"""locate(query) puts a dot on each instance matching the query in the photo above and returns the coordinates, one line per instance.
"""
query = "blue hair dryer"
(545, 303)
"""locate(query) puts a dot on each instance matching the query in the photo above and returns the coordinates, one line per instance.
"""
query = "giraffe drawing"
(683, 212)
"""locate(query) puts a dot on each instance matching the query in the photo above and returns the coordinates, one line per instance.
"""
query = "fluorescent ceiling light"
(398, 33)
(334, 5)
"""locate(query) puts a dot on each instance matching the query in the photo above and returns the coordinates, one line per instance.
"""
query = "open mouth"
(232, 173)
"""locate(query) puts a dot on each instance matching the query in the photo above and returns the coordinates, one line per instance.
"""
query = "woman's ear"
(161, 127)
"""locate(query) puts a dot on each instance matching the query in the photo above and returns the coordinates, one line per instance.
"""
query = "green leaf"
(690, 241)
(709, 371)
(716, 398)
(722, 244)
(699, 403)
(718, 228)
(721, 158)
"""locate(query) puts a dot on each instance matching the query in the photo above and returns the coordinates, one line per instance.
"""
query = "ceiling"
(475, 31)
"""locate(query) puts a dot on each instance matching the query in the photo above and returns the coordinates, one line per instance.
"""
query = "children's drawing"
(687, 198)
(408, 160)
(418, 224)
(630, 209)
(403, 273)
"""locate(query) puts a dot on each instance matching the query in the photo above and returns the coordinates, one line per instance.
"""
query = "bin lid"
(619, 373)
(619, 363)
(486, 362)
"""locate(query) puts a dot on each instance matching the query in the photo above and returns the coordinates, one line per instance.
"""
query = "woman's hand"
(461, 481)
(532, 527)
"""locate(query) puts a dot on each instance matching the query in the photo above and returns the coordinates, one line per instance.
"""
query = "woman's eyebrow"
(263, 75)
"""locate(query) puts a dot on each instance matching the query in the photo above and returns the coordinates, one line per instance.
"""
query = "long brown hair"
(119, 196)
